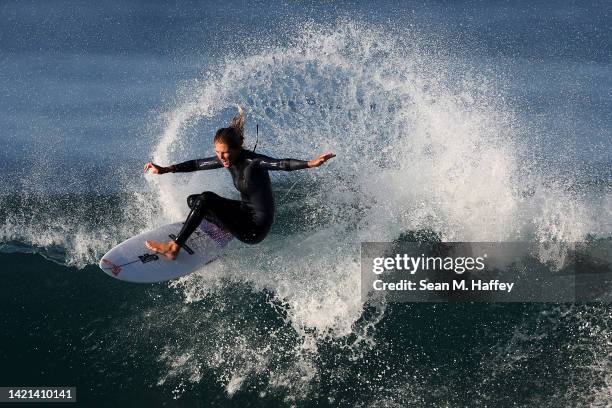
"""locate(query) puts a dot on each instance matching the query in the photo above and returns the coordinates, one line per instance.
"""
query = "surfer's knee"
(196, 201)
(191, 200)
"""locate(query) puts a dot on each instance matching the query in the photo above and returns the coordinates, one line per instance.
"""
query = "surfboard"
(131, 261)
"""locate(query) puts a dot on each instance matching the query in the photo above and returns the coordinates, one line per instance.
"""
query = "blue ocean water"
(467, 120)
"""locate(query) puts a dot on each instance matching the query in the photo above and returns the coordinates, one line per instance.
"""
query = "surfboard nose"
(106, 264)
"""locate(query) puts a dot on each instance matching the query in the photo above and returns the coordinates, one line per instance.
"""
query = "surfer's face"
(226, 154)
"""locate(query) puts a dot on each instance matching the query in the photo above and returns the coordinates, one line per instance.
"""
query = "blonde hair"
(233, 136)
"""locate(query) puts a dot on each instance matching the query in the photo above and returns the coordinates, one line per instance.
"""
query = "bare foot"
(169, 249)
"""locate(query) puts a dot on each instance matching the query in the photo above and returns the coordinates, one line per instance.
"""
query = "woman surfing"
(248, 219)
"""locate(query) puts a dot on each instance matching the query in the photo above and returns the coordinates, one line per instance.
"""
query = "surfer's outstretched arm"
(191, 165)
(270, 163)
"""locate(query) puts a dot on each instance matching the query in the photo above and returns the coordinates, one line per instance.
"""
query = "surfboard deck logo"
(148, 258)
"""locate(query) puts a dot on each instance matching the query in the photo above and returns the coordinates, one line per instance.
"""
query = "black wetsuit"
(248, 219)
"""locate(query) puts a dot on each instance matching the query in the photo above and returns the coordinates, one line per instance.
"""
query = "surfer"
(248, 219)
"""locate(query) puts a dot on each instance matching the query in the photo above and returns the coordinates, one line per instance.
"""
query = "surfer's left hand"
(321, 159)
(155, 169)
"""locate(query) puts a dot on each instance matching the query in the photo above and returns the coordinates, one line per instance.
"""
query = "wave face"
(424, 143)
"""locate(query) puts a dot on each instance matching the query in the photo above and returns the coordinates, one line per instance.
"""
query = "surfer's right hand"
(155, 169)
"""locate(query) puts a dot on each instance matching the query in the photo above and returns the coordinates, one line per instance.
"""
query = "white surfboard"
(131, 261)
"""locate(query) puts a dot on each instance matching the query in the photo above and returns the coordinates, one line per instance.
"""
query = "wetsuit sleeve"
(270, 163)
(195, 165)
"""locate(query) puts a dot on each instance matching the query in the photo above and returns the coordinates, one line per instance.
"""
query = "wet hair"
(233, 136)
